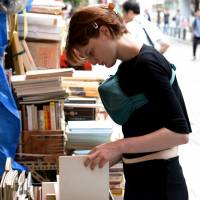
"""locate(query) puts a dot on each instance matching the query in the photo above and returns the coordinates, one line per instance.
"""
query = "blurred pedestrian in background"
(196, 33)
(142, 29)
(158, 20)
(166, 22)
(177, 23)
(147, 15)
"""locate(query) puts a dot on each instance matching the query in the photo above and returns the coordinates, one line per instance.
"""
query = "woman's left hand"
(100, 155)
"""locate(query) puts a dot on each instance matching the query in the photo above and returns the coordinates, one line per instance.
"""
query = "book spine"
(52, 115)
(45, 117)
(24, 118)
(41, 120)
(29, 117)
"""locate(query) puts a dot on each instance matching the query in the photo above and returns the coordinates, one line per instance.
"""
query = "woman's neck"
(127, 48)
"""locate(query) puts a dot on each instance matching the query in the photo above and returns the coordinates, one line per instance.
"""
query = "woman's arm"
(155, 141)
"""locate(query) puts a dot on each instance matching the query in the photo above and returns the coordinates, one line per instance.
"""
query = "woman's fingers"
(95, 159)
(102, 162)
(90, 158)
(94, 163)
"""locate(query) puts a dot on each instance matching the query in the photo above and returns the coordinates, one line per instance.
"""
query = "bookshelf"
(41, 98)
(43, 127)
(42, 138)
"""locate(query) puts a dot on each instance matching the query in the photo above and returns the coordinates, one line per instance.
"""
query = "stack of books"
(42, 26)
(80, 109)
(45, 31)
(40, 85)
(40, 89)
(46, 73)
(117, 181)
(87, 134)
(48, 6)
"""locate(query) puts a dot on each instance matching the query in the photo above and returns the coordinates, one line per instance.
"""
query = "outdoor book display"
(18, 185)
(43, 97)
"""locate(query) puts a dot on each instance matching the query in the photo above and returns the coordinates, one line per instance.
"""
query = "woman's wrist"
(121, 146)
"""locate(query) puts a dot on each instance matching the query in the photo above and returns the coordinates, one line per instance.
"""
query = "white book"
(91, 124)
(41, 19)
(77, 182)
(30, 117)
(47, 188)
(42, 29)
(51, 3)
(44, 36)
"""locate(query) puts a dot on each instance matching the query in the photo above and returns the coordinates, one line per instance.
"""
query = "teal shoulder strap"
(173, 73)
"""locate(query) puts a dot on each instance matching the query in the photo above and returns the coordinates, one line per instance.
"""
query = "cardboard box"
(46, 54)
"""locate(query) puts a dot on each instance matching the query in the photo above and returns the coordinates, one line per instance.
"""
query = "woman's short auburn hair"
(85, 24)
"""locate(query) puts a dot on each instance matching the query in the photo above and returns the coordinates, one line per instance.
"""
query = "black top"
(149, 73)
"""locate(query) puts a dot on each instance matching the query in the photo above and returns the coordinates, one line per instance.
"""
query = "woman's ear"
(104, 31)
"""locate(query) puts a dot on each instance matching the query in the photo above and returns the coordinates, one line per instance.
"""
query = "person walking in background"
(154, 129)
(147, 15)
(142, 29)
(178, 23)
(158, 20)
(166, 22)
(196, 33)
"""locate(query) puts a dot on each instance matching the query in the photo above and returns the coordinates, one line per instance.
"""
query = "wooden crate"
(43, 142)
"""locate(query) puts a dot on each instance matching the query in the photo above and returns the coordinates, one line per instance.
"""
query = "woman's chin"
(109, 65)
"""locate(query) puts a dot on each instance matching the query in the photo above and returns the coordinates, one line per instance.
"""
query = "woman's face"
(101, 50)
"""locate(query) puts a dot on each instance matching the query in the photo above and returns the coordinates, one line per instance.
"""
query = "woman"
(153, 131)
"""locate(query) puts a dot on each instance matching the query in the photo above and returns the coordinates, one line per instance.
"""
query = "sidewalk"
(188, 75)
(187, 41)
(182, 36)
(190, 161)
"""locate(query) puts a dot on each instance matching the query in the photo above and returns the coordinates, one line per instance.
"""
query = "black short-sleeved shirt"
(149, 73)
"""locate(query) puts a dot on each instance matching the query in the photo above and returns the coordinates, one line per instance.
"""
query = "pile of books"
(117, 181)
(45, 26)
(40, 89)
(79, 108)
(87, 134)
(45, 31)
(40, 85)
(48, 6)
